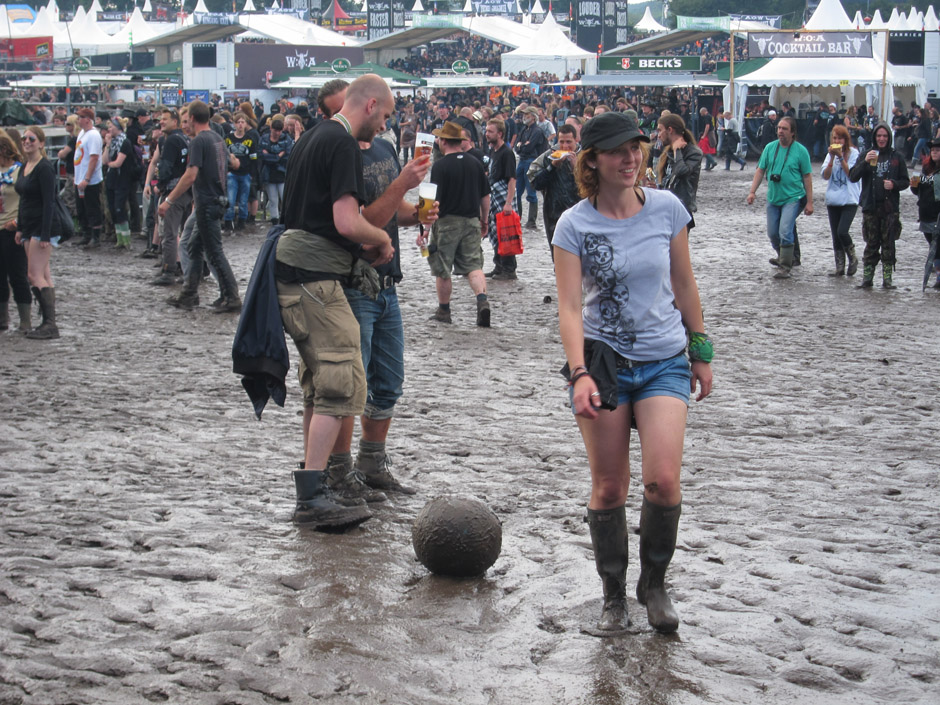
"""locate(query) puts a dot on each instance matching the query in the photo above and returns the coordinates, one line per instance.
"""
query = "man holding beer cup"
(463, 193)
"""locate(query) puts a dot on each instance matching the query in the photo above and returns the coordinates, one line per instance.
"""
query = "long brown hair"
(678, 125)
(843, 131)
(8, 148)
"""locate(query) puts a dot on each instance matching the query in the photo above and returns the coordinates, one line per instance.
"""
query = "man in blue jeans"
(381, 336)
(529, 145)
(790, 179)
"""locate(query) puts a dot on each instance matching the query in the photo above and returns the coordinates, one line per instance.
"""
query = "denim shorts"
(666, 378)
(54, 241)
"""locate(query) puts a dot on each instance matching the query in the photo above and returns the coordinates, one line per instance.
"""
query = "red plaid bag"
(509, 234)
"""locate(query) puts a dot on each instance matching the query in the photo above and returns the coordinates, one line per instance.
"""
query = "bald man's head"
(369, 104)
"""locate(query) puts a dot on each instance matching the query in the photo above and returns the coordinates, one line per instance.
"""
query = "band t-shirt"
(625, 273)
(324, 166)
(207, 152)
(380, 167)
(461, 183)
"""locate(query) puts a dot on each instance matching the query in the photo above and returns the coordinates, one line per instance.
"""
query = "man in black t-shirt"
(381, 335)
(501, 165)
(206, 175)
(169, 166)
(464, 195)
(324, 238)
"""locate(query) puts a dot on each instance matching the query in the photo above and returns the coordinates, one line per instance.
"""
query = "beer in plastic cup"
(424, 144)
(424, 247)
(873, 162)
(427, 193)
(915, 180)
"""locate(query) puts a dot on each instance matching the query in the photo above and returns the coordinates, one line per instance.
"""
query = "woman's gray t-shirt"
(625, 272)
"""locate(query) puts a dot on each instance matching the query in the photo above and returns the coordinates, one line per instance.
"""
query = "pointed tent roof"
(536, 9)
(915, 20)
(418, 7)
(894, 18)
(877, 22)
(550, 40)
(334, 12)
(931, 23)
(829, 14)
(468, 6)
(95, 8)
(136, 28)
(53, 10)
(42, 26)
(648, 24)
(200, 7)
(858, 21)
(249, 7)
(147, 6)
(274, 5)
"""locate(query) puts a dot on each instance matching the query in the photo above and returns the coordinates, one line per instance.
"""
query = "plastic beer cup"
(427, 194)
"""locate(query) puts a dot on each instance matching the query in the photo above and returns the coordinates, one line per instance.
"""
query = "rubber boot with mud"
(26, 317)
(658, 529)
(317, 505)
(47, 330)
(775, 260)
(840, 264)
(786, 262)
(887, 276)
(868, 277)
(374, 467)
(853, 261)
(533, 214)
(94, 241)
(347, 482)
(611, 554)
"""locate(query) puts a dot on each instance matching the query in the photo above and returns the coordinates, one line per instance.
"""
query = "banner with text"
(398, 15)
(588, 23)
(813, 45)
(379, 17)
(704, 24)
(494, 7)
(616, 25)
(650, 64)
(775, 21)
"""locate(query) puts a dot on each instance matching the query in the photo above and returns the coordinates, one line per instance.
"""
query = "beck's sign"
(650, 64)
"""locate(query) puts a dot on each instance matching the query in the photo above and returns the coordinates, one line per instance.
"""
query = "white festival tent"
(648, 24)
(418, 7)
(249, 7)
(931, 23)
(536, 8)
(148, 7)
(549, 50)
(812, 80)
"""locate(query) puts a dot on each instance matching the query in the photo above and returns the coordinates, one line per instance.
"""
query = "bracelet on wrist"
(700, 348)
(578, 375)
(574, 370)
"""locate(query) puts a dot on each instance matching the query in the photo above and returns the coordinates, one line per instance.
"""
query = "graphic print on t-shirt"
(614, 294)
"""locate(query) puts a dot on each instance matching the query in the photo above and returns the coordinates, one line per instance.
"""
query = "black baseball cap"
(609, 130)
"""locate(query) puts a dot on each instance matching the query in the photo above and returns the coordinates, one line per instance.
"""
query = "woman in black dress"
(36, 188)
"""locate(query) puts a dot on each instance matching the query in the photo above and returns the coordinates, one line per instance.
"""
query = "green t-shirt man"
(792, 164)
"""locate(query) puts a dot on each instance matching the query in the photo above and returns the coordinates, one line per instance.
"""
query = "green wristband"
(700, 348)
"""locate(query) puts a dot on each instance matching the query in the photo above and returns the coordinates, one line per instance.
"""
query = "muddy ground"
(148, 553)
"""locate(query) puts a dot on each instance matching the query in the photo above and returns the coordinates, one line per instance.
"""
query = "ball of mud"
(457, 536)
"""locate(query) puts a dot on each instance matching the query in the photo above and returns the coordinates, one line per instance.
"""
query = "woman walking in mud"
(627, 249)
(841, 199)
(35, 186)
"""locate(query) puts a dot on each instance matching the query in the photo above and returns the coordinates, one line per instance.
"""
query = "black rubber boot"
(47, 330)
(317, 505)
(658, 528)
(26, 315)
(611, 554)
(785, 262)
(348, 482)
(533, 214)
(853, 261)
